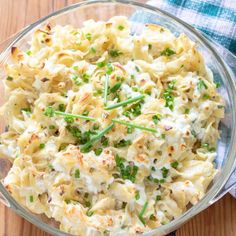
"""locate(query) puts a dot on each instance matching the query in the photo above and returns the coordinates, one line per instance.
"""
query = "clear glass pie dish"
(139, 14)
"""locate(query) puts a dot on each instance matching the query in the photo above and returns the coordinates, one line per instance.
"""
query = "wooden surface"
(217, 220)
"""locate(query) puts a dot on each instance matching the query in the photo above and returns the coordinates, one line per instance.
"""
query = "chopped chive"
(95, 126)
(27, 110)
(205, 145)
(85, 113)
(193, 132)
(98, 151)
(217, 84)
(126, 171)
(121, 27)
(130, 130)
(201, 85)
(174, 164)
(104, 141)
(50, 166)
(137, 69)
(63, 146)
(75, 67)
(74, 77)
(88, 36)
(69, 119)
(9, 78)
(123, 103)
(168, 52)
(89, 213)
(73, 115)
(140, 216)
(152, 217)
(164, 171)
(114, 53)
(95, 138)
(93, 50)
(61, 107)
(149, 46)
(52, 127)
(77, 173)
(42, 145)
(115, 87)
(156, 118)
(158, 198)
(137, 195)
(67, 201)
(159, 153)
(122, 143)
(106, 84)
(205, 96)
(109, 68)
(29, 53)
(186, 111)
(162, 181)
(49, 111)
(31, 198)
(163, 136)
(101, 64)
(85, 78)
(134, 125)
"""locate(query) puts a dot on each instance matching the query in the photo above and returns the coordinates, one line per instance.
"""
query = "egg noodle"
(109, 133)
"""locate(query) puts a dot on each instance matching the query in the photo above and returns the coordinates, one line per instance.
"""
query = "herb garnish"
(140, 216)
(124, 103)
(122, 143)
(88, 36)
(201, 85)
(167, 95)
(168, 52)
(114, 53)
(42, 145)
(31, 198)
(95, 138)
(164, 171)
(101, 64)
(156, 118)
(174, 164)
(9, 78)
(115, 87)
(77, 173)
(137, 195)
(133, 125)
(50, 112)
(121, 27)
(127, 171)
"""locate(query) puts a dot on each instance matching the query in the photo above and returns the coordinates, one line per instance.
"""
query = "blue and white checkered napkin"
(216, 18)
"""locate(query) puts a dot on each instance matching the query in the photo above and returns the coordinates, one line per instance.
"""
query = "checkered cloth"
(216, 18)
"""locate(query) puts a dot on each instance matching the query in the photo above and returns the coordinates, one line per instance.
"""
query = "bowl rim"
(208, 199)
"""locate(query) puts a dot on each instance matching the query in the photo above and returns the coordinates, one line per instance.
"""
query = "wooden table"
(217, 220)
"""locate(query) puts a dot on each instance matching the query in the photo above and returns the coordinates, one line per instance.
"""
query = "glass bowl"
(139, 14)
